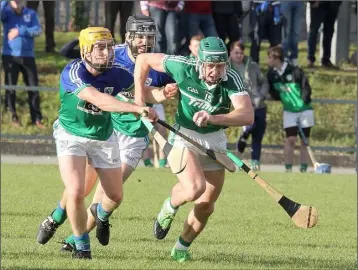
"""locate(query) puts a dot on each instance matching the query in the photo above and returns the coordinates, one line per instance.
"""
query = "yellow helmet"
(89, 37)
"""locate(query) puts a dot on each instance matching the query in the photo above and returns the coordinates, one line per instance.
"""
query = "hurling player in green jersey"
(84, 131)
(208, 89)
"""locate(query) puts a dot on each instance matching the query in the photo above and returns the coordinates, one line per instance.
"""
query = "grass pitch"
(248, 229)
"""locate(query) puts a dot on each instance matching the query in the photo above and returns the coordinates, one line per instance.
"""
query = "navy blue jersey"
(155, 78)
(127, 123)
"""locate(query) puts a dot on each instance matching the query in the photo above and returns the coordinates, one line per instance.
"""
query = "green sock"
(162, 163)
(148, 163)
(70, 240)
(288, 167)
(59, 215)
(102, 214)
(303, 167)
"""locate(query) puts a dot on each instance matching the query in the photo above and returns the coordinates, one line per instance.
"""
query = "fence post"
(96, 11)
(356, 126)
(68, 11)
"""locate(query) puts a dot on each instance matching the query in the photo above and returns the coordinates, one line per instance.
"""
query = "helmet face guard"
(140, 35)
(212, 50)
(97, 48)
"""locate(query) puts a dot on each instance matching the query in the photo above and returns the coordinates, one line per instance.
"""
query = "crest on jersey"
(289, 77)
(27, 18)
(108, 90)
(148, 81)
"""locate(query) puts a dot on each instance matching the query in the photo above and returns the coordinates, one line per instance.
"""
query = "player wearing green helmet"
(208, 89)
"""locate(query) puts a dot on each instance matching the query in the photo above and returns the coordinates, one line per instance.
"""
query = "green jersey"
(79, 117)
(196, 95)
(127, 123)
(291, 86)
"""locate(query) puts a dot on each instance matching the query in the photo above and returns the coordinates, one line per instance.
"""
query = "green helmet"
(212, 50)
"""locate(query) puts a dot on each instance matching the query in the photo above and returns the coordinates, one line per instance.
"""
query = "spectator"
(196, 19)
(111, 9)
(265, 22)
(326, 13)
(165, 14)
(257, 87)
(226, 15)
(293, 13)
(21, 25)
(194, 45)
(290, 85)
(49, 12)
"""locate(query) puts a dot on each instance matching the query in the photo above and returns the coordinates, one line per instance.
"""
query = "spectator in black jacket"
(49, 12)
(226, 15)
(325, 12)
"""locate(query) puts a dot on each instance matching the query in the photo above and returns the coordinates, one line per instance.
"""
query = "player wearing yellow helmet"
(84, 130)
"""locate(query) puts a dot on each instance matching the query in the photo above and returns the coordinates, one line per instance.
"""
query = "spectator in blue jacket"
(20, 26)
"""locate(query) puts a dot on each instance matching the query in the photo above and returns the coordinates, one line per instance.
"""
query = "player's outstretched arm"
(108, 103)
(159, 95)
(144, 62)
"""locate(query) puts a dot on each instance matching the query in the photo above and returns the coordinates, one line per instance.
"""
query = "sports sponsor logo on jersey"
(108, 90)
(202, 105)
(148, 81)
(193, 90)
(27, 18)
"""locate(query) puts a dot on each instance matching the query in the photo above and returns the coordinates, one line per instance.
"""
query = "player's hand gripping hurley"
(302, 215)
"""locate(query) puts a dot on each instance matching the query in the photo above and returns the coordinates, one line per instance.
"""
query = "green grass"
(334, 123)
(247, 231)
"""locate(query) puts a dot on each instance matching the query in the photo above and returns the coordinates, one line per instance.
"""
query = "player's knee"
(195, 190)
(116, 197)
(204, 208)
(76, 196)
(291, 141)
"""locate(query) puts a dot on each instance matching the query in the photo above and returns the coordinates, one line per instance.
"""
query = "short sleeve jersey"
(128, 123)
(196, 95)
(80, 117)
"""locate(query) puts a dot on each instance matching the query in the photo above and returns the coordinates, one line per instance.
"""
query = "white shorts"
(131, 148)
(305, 118)
(216, 141)
(159, 109)
(100, 154)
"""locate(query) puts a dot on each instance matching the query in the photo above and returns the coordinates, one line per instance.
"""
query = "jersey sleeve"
(124, 78)
(176, 66)
(235, 85)
(164, 79)
(74, 78)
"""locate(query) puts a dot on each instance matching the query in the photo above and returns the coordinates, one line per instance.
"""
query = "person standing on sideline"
(325, 12)
(290, 85)
(111, 10)
(49, 13)
(265, 22)
(257, 87)
(208, 88)
(21, 25)
(166, 17)
(292, 12)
